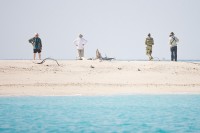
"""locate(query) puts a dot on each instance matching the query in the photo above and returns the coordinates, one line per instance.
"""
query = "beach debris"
(89, 59)
(99, 56)
(109, 59)
(156, 58)
(83, 58)
(49, 59)
(139, 69)
(119, 68)
(91, 66)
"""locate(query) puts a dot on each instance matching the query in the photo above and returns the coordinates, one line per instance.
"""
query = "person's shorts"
(36, 51)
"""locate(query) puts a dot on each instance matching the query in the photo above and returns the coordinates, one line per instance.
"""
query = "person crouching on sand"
(37, 45)
(98, 55)
(80, 43)
(149, 43)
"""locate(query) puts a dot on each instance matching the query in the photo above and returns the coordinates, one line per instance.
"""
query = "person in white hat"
(173, 40)
(37, 45)
(80, 43)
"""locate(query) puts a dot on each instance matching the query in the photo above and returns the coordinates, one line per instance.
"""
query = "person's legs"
(34, 55)
(175, 53)
(79, 54)
(39, 55)
(82, 53)
(172, 56)
(149, 52)
(151, 58)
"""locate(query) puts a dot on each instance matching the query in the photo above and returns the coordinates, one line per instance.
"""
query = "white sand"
(26, 78)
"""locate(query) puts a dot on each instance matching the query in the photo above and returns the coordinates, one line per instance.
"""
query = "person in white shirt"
(80, 43)
(173, 46)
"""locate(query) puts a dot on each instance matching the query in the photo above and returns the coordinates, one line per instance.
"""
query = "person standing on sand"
(173, 46)
(80, 43)
(149, 42)
(37, 45)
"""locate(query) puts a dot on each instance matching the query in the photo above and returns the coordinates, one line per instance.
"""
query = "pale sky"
(118, 28)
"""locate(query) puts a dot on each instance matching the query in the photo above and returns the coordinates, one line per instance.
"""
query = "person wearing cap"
(37, 45)
(80, 43)
(149, 42)
(173, 40)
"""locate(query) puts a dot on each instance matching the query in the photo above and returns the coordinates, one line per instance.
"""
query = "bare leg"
(82, 53)
(39, 55)
(34, 55)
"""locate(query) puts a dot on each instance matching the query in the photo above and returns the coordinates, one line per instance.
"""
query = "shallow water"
(136, 113)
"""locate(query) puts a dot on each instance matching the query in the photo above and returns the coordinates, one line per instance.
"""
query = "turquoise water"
(136, 114)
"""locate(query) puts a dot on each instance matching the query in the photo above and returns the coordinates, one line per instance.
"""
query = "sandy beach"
(92, 77)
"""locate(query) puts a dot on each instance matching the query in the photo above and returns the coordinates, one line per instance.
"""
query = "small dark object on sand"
(91, 66)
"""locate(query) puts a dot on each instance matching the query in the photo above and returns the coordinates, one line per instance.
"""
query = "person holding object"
(80, 43)
(173, 40)
(37, 45)
(149, 43)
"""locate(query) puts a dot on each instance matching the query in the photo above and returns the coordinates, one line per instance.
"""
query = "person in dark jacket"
(37, 45)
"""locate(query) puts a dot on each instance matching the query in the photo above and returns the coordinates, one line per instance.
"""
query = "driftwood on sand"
(48, 59)
(98, 56)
